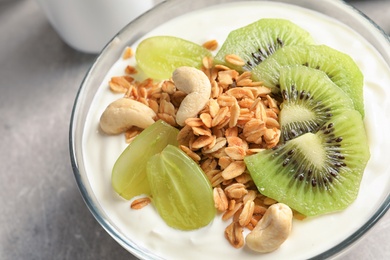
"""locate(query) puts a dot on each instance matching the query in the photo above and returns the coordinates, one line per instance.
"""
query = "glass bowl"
(92, 154)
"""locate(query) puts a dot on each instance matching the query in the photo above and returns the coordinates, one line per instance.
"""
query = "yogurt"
(309, 237)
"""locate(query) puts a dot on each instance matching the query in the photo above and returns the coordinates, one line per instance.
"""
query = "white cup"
(88, 25)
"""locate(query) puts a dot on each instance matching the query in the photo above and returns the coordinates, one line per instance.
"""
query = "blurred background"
(376, 10)
(42, 214)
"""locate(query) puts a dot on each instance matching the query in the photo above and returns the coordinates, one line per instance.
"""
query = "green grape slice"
(159, 56)
(129, 172)
(181, 192)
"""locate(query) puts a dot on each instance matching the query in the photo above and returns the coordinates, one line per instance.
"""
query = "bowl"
(92, 154)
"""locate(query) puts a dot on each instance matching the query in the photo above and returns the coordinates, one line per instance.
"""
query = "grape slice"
(180, 190)
(159, 56)
(129, 172)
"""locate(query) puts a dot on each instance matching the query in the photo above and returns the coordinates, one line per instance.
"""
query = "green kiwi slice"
(315, 173)
(257, 41)
(310, 99)
(339, 67)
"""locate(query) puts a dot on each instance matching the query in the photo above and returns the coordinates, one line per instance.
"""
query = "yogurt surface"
(309, 237)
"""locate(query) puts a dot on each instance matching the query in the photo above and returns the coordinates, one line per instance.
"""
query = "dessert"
(148, 233)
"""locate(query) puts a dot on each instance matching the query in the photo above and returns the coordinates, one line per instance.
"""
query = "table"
(42, 214)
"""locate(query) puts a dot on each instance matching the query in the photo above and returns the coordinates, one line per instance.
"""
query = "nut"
(124, 113)
(198, 87)
(272, 230)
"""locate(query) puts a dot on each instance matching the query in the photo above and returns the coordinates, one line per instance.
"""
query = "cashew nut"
(272, 230)
(124, 113)
(198, 87)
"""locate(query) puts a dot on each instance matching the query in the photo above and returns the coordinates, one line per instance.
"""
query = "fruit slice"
(129, 172)
(315, 173)
(255, 42)
(339, 67)
(181, 192)
(159, 56)
(310, 99)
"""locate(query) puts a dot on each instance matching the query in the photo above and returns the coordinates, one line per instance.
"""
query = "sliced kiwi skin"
(257, 41)
(329, 184)
(339, 67)
(310, 99)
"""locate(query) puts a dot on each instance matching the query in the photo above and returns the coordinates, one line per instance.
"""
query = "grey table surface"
(42, 214)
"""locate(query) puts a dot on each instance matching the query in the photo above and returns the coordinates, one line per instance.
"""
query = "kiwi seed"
(261, 55)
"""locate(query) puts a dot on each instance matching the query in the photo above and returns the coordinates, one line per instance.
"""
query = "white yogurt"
(309, 237)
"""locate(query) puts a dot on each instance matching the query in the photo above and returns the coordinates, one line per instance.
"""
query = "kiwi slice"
(315, 173)
(339, 67)
(257, 41)
(310, 99)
